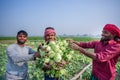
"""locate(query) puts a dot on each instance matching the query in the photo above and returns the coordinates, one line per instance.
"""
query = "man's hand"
(47, 66)
(62, 63)
(74, 46)
(37, 54)
(69, 41)
(77, 47)
(72, 41)
(39, 47)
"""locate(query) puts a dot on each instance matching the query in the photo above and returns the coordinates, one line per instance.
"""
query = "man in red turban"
(50, 34)
(113, 29)
(105, 55)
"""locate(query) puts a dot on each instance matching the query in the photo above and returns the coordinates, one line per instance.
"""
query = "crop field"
(76, 65)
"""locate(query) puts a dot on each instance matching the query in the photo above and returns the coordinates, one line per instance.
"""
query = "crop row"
(77, 64)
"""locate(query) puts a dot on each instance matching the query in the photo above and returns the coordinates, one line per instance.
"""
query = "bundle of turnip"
(54, 54)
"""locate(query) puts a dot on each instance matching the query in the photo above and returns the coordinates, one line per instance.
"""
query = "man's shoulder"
(115, 45)
(11, 46)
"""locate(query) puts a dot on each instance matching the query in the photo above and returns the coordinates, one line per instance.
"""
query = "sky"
(70, 17)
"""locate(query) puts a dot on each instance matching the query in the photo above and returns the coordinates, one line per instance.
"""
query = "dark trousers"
(47, 77)
(93, 77)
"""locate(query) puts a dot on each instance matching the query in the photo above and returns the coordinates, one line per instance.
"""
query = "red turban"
(48, 31)
(113, 29)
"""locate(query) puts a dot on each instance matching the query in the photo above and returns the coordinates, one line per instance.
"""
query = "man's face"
(106, 36)
(21, 38)
(50, 37)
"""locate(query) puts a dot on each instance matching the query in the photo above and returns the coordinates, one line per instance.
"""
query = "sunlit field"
(78, 62)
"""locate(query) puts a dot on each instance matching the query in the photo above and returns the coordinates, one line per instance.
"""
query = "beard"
(104, 39)
(21, 42)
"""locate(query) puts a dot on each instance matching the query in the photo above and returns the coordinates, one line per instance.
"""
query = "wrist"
(82, 50)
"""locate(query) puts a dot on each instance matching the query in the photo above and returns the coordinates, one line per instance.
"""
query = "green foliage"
(14, 38)
(57, 53)
(2, 60)
(7, 38)
(77, 63)
(58, 37)
(78, 38)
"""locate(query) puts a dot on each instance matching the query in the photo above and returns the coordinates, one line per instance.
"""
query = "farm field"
(78, 62)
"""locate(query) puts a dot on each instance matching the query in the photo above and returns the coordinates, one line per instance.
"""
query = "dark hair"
(49, 28)
(117, 38)
(23, 32)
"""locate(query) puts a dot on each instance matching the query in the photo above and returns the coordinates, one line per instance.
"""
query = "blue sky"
(69, 17)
